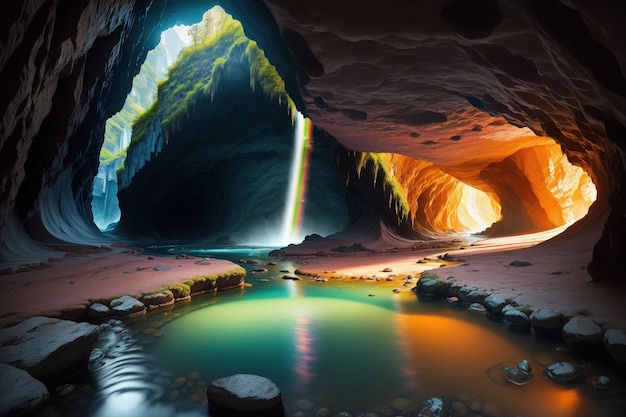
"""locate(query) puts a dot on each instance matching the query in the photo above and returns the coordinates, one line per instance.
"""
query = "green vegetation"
(180, 290)
(379, 167)
(217, 43)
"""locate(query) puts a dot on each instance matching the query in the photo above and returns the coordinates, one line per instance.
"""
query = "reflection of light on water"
(305, 352)
(452, 355)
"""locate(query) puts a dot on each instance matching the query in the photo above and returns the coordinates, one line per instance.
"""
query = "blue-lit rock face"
(225, 172)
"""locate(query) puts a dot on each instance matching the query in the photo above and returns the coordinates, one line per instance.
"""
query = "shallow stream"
(351, 346)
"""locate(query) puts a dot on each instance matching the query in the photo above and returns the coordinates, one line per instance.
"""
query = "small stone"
(561, 372)
(387, 270)
(477, 308)
(304, 405)
(397, 290)
(516, 376)
(458, 409)
(524, 366)
(602, 383)
(173, 395)
(292, 277)
(476, 406)
(344, 414)
(434, 407)
(322, 412)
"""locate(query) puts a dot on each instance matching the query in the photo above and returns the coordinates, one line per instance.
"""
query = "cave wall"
(458, 84)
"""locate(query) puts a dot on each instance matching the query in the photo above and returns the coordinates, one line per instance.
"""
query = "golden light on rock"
(533, 189)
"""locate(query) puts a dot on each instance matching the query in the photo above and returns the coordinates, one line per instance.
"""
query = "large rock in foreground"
(20, 393)
(245, 395)
(46, 347)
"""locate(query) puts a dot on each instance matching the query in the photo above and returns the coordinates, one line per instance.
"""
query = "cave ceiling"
(462, 84)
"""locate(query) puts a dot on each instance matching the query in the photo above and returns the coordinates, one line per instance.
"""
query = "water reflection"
(334, 346)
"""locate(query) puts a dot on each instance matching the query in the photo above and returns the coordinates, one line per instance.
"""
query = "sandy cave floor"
(557, 277)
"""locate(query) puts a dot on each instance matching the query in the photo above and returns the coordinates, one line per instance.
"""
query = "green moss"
(377, 163)
(429, 275)
(180, 290)
(199, 70)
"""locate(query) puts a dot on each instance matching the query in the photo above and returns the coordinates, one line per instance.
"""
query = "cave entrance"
(118, 131)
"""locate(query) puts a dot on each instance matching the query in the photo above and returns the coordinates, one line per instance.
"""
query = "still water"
(349, 346)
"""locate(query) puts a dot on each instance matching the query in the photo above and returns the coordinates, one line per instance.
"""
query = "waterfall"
(292, 214)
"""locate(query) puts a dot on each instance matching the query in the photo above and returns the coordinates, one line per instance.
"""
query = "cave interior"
(431, 118)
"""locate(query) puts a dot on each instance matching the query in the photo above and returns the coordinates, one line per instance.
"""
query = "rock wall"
(460, 86)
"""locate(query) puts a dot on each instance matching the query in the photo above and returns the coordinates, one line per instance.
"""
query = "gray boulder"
(561, 372)
(245, 395)
(615, 344)
(126, 307)
(471, 295)
(431, 286)
(20, 393)
(547, 322)
(45, 347)
(97, 311)
(582, 333)
(494, 304)
(515, 319)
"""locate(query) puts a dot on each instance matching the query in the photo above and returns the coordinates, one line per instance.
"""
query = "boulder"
(515, 319)
(97, 311)
(244, 395)
(431, 286)
(547, 322)
(126, 307)
(433, 407)
(158, 299)
(20, 393)
(471, 295)
(561, 372)
(582, 333)
(494, 305)
(46, 347)
(615, 344)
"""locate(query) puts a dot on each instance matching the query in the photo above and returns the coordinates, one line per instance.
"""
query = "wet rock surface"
(20, 393)
(46, 347)
(561, 372)
(244, 395)
(582, 333)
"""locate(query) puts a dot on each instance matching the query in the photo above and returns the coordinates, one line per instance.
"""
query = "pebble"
(602, 383)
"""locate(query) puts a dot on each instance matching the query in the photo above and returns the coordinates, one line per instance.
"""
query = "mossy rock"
(213, 283)
(158, 298)
(180, 291)
(430, 285)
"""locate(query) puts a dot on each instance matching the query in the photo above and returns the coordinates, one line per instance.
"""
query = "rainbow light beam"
(292, 218)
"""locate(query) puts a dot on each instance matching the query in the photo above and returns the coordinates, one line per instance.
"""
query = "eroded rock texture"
(465, 86)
